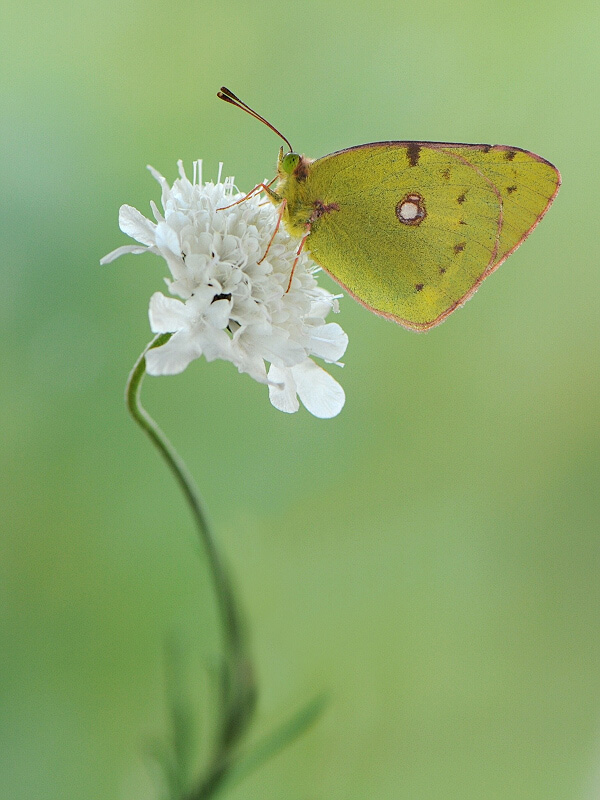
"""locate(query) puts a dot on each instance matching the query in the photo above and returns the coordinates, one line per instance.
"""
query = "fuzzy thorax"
(294, 188)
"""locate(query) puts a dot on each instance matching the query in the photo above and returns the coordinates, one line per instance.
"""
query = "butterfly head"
(288, 162)
(292, 166)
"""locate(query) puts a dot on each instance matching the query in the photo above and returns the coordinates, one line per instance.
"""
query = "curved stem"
(227, 607)
(237, 683)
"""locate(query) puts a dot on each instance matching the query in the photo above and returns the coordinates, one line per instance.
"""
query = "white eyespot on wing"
(410, 210)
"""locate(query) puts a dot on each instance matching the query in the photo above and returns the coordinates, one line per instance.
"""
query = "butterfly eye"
(290, 162)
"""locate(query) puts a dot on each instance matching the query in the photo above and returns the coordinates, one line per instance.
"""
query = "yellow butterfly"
(410, 229)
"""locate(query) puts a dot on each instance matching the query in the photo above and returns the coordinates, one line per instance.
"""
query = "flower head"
(229, 302)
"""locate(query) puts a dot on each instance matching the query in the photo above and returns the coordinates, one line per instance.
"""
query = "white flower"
(231, 306)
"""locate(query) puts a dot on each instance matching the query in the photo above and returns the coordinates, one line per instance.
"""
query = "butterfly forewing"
(413, 228)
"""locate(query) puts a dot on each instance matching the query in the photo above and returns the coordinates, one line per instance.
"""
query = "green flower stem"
(238, 690)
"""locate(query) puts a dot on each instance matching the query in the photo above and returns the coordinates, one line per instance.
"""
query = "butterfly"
(410, 229)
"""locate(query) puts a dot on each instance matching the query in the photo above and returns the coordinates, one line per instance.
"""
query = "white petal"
(278, 348)
(157, 176)
(328, 341)
(322, 305)
(320, 393)
(127, 248)
(203, 297)
(177, 220)
(217, 313)
(166, 314)
(215, 343)
(136, 225)
(174, 356)
(282, 389)
(166, 189)
(157, 215)
(248, 361)
(167, 239)
(255, 367)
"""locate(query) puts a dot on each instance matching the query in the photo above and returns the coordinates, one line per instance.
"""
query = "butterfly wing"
(527, 183)
(412, 228)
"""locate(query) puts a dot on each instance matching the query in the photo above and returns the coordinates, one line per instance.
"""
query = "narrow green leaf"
(182, 722)
(274, 742)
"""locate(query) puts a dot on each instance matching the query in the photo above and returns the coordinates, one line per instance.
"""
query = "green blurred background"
(430, 556)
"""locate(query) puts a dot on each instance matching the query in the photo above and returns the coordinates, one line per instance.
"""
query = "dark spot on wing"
(509, 154)
(418, 287)
(511, 189)
(446, 174)
(461, 222)
(458, 248)
(413, 152)
(461, 198)
(486, 148)
(320, 208)
(442, 270)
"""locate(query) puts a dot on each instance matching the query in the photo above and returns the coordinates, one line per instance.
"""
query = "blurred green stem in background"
(237, 687)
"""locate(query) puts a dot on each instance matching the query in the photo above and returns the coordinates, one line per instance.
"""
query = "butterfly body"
(411, 229)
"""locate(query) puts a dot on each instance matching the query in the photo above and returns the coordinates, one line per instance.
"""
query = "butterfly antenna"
(229, 97)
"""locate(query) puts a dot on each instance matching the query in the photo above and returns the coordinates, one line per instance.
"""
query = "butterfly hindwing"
(527, 183)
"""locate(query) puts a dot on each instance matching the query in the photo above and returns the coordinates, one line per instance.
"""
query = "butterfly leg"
(282, 206)
(318, 211)
(260, 187)
(298, 251)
